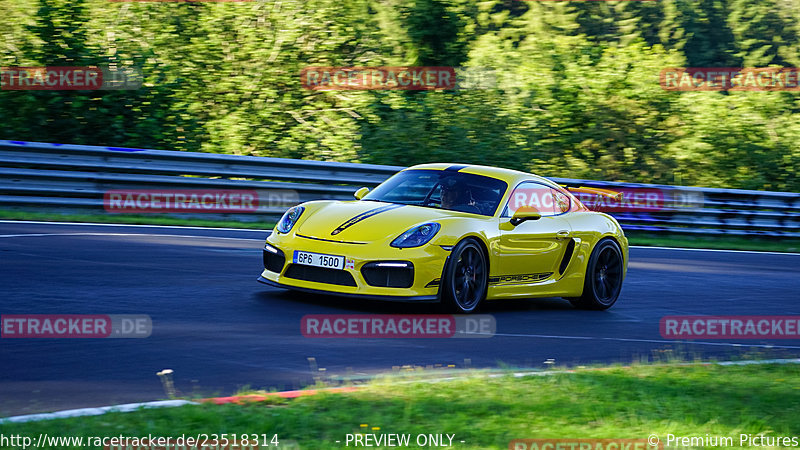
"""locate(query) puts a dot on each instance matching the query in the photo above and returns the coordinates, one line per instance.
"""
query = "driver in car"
(457, 196)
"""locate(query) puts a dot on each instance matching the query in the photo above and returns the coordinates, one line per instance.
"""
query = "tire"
(603, 281)
(465, 278)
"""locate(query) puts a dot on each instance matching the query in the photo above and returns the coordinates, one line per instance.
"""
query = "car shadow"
(527, 304)
(348, 304)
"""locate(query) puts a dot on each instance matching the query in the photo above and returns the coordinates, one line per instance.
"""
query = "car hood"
(365, 221)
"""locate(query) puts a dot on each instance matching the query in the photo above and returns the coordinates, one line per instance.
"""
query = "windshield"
(442, 189)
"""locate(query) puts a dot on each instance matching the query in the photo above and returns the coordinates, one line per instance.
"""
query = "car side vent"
(567, 256)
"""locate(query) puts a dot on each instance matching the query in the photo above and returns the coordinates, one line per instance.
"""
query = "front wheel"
(465, 277)
(603, 281)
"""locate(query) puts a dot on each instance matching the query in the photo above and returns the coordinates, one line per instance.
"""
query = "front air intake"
(393, 274)
(320, 275)
(274, 259)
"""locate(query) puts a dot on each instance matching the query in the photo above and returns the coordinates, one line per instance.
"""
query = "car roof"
(512, 177)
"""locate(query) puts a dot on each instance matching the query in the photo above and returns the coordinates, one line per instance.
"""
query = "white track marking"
(128, 407)
(713, 250)
(543, 373)
(132, 225)
(651, 341)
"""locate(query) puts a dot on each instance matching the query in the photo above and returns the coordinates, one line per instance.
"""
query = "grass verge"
(145, 219)
(488, 412)
(714, 242)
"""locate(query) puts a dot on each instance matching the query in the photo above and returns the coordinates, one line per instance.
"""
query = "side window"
(533, 194)
(562, 201)
(436, 195)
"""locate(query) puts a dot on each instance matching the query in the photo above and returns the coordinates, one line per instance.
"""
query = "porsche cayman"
(457, 234)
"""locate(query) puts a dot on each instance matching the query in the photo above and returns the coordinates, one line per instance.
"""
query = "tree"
(699, 29)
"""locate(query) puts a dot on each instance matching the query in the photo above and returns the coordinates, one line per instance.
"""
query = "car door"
(533, 250)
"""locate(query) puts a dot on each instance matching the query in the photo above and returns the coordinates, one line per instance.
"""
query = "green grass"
(144, 219)
(635, 238)
(488, 412)
(714, 242)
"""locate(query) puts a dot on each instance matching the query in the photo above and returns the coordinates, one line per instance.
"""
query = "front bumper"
(428, 262)
(417, 298)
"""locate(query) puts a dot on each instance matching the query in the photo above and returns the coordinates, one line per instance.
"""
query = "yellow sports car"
(459, 234)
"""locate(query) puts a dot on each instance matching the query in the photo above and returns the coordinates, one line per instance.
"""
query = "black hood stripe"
(362, 216)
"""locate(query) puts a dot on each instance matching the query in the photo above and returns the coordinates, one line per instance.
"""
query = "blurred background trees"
(577, 91)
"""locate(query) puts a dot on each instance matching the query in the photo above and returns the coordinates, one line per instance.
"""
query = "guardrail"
(65, 178)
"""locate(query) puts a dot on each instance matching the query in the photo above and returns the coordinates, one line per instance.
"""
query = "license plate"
(318, 260)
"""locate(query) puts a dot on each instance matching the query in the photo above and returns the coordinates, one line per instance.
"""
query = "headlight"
(289, 219)
(417, 236)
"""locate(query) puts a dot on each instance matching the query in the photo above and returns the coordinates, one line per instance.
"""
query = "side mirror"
(525, 213)
(360, 193)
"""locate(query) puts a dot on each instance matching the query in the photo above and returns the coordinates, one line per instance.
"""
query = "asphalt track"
(220, 330)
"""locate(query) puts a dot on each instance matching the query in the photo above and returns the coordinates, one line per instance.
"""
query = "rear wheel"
(603, 281)
(465, 277)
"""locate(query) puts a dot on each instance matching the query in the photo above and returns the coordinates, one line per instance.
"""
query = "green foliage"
(576, 93)
(699, 29)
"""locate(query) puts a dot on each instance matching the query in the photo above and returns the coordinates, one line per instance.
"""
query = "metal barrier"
(64, 178)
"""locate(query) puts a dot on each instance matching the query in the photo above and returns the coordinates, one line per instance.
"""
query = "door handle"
(563, 234)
